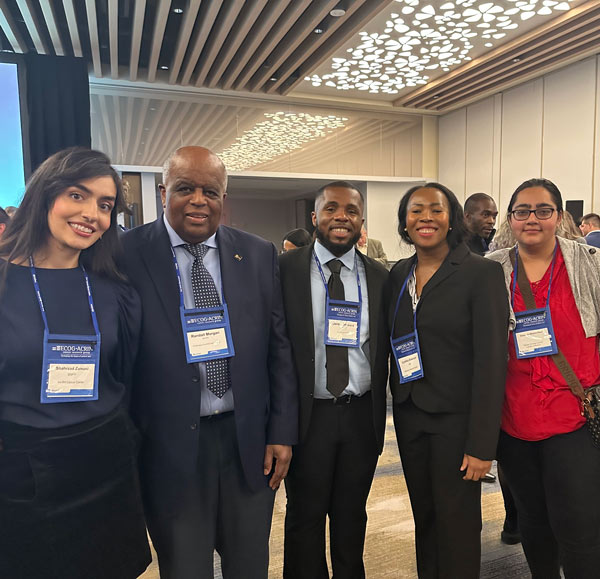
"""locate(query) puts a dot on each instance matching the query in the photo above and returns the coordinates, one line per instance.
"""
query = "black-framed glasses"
(541, 213)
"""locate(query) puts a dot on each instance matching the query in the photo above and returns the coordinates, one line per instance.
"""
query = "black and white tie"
(218, 379)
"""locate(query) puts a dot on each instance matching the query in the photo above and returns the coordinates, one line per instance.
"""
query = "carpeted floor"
(389, 550)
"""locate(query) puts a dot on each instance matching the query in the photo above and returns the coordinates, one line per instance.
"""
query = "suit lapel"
(449, 267)
(231, 260)
(302, 281)
(158, 260)
(374, 288)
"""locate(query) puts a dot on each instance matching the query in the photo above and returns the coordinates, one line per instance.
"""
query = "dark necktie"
(337, 356)
(218, 379)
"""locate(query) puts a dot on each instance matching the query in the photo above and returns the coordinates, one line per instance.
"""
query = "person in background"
(215, 391)
(295, 238)
(342, 389)
(568, 229)
(4, 219)
(70, 504)
(448, 314)
(545, 448)
(480, 219)
(10, 210)
(372, 248)
(590, 227)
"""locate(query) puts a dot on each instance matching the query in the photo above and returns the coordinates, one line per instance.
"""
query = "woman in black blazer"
(448, 314)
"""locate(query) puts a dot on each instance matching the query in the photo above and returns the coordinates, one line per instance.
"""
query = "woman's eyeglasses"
(540, 213)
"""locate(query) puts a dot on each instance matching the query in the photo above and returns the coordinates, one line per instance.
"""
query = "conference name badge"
(534, 334)
(207, 333)
(408, 357)
(70, 366)
(342, 323)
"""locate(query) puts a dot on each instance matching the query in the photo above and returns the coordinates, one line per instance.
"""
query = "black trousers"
(330, 475)
(446, 508)
(554, 483)
(219, 513)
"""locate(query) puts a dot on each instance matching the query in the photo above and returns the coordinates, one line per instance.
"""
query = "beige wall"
(546, 127)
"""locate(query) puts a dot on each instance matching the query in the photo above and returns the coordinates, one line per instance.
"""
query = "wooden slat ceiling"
(267, 46)
(250, 45)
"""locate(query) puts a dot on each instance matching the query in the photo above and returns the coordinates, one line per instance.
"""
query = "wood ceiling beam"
(113, 37)
(136, 38)
(71, 17)
(158, 35)
(185, 33)
(90, 8)
(49, 12)
(11, 30)
(34, 26)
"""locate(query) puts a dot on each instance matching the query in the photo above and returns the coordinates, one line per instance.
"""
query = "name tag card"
(342, 323)
(207, 333)
(70, 368)
(408, 357)
(534, 334)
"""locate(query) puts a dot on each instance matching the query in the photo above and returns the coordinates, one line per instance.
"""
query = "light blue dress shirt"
(358, 363)
(209, 404)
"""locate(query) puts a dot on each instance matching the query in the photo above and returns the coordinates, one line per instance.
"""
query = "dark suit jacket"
(166, 393)
(295, 283)
(462, 323)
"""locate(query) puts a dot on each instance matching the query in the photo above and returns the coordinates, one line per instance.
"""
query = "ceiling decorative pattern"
(425, 36)
(281, 133)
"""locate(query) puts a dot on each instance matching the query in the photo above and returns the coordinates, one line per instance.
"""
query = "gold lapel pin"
(238, 257)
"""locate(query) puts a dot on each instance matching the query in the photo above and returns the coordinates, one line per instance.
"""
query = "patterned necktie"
(206, 296)
(337, 356)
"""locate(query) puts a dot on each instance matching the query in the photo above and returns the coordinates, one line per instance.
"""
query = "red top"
(538, 402)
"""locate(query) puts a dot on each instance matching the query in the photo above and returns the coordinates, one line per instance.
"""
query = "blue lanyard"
(402, 290)
(514, 284)
(325, 281)
(178, 272)
(38, 293)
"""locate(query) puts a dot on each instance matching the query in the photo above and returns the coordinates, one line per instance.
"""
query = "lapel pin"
(238, 257)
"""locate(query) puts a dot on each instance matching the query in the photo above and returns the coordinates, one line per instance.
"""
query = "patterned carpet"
(389, 550)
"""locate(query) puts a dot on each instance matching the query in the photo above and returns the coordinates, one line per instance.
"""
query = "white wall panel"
(452, 139)
(521, 154)
(569, 119)
(480, 147)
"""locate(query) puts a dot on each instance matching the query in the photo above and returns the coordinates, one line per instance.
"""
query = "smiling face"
(338, 217)
(428, 218)
(81, 214)
(193, 193)
(534, 232)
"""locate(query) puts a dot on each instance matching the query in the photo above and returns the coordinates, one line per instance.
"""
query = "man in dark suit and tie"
(215, 393)
(333, 294)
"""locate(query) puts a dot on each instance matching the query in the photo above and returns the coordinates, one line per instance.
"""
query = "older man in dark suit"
(215, 392)
(333, 295)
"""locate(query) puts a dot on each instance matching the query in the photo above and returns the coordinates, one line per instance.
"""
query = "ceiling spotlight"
(436, 96)
(517, 59)
(274, 78)
(318, 31)
(163, 67)
(337, 12)
(177, 10)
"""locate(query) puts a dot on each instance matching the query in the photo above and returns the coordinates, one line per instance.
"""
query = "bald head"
(194, 188)
(196, 155)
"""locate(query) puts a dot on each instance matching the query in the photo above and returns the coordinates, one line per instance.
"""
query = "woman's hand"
(476, 468)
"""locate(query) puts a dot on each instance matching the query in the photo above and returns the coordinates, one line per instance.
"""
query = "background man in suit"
(342, 391)
(372, 248)
(216, 434)
(480, 218)
(590, 227)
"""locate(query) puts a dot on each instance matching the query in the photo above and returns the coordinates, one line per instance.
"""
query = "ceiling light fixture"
(517, 59)
(177, 10)
(337, 12)
(164, 67)
(318, 31)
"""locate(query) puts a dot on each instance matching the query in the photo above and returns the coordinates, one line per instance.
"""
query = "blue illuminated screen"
(12, 183)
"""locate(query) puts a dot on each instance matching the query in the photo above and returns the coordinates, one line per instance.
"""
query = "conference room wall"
(545, 127)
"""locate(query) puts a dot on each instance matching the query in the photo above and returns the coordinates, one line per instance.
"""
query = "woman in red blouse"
(545, 447)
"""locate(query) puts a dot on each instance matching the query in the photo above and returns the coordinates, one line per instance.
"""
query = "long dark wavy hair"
(28, 230)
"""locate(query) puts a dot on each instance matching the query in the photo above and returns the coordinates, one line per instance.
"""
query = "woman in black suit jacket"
(447, 414)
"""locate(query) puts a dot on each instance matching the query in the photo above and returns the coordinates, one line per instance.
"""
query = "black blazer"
(166, 396)
(297, 299)
(462, 323)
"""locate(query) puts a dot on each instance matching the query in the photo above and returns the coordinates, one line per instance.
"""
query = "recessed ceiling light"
(163, 67)
(318, 31)
(274, 78)
(517, 59)
(436, 96)
(177, 10)
(337, 12)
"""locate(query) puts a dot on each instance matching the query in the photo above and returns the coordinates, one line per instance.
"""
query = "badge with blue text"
(342, 323)
(408, 357)
(207, 333)
(534, 334)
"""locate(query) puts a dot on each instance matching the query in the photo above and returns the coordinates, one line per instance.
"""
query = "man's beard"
(337, 249)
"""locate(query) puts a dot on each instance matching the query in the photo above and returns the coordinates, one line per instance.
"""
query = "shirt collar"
(177, 241)
(324, 255)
